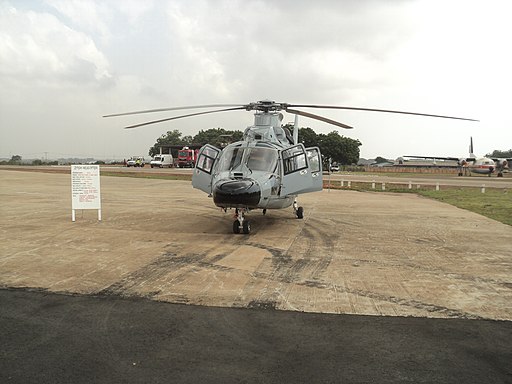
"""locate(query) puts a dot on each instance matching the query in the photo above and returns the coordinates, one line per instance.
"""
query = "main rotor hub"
(266, 106)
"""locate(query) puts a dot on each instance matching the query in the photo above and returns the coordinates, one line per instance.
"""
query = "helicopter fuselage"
(248, 176)
(265, 170)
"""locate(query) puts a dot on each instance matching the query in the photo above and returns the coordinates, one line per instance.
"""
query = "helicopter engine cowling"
(236, 193)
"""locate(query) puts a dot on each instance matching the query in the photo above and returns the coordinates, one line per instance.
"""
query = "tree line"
(339, 149)
(500, 154)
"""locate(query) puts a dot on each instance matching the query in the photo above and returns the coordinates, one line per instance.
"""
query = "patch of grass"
(494, 203)
(394, 174)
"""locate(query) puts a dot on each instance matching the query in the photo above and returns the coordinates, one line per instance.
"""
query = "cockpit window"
(256, 159)
(230, 159)
(262, 159)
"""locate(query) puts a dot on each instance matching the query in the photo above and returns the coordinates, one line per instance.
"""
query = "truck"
(161, 161)
(187, 157)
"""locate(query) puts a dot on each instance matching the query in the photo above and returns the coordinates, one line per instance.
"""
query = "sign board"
(85, 188)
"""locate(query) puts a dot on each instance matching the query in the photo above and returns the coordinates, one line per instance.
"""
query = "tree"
(217, 137)
(500, 154)
(340, 149)
(170, 138)
(380, 160)
(15, 159)
(308, 137)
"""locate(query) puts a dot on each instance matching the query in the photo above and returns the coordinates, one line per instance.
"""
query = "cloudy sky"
(65, 63)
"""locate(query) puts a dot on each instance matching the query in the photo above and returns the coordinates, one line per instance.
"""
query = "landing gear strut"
(299, 211)
(240, 222)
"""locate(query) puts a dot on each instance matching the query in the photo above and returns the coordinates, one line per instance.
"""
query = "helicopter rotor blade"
(174, 109)
(182, 116)
(316, 117)
(270, 106)
(378, 110)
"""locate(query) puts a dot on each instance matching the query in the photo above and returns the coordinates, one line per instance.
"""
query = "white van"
(162, 161)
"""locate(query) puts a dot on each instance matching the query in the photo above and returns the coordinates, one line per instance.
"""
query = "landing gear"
(299, 211)
(241, 223)
(246, 227)
(236, 227)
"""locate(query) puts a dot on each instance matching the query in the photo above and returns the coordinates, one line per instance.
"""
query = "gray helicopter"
(269, 168)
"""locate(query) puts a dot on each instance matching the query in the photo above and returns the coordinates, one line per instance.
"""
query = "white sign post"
(85, 188)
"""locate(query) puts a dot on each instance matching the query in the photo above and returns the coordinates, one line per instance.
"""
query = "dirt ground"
(353, 253)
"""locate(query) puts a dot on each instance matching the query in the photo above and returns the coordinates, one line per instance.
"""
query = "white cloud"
(86, 15)
(39, 48)
(90, 58)
(264, 47)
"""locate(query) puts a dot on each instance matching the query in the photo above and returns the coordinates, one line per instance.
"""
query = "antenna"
(296, 130)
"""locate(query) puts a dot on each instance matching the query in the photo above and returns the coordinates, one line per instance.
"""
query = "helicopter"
(269, 167)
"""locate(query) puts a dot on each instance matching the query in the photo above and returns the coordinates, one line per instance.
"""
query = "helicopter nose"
(236, 193)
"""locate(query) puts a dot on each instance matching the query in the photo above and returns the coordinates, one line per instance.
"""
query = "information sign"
(85, 188)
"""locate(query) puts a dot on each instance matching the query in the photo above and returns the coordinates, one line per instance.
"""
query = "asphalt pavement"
(54, 338)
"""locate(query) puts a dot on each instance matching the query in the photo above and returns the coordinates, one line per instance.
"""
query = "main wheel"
(247, 227)
(300, 213)
(236, 226)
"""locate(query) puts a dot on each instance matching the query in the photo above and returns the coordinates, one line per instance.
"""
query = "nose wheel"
(241, 223)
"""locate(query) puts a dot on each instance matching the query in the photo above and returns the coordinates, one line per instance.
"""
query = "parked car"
(135, 161)
(335, 168)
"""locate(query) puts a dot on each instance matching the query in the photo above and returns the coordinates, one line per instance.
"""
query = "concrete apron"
(354, 253)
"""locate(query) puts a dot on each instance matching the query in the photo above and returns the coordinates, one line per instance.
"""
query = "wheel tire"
(300, 213)
(247, 227)
(236, 227)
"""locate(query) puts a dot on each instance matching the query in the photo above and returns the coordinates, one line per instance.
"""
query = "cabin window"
(294, 159)
(206, 159)
(313, 159)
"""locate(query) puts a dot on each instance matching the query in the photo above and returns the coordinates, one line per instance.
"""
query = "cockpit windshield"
(254, 158)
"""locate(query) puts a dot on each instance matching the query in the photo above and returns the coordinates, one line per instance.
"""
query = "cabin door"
(202, 176)
(301, 170)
